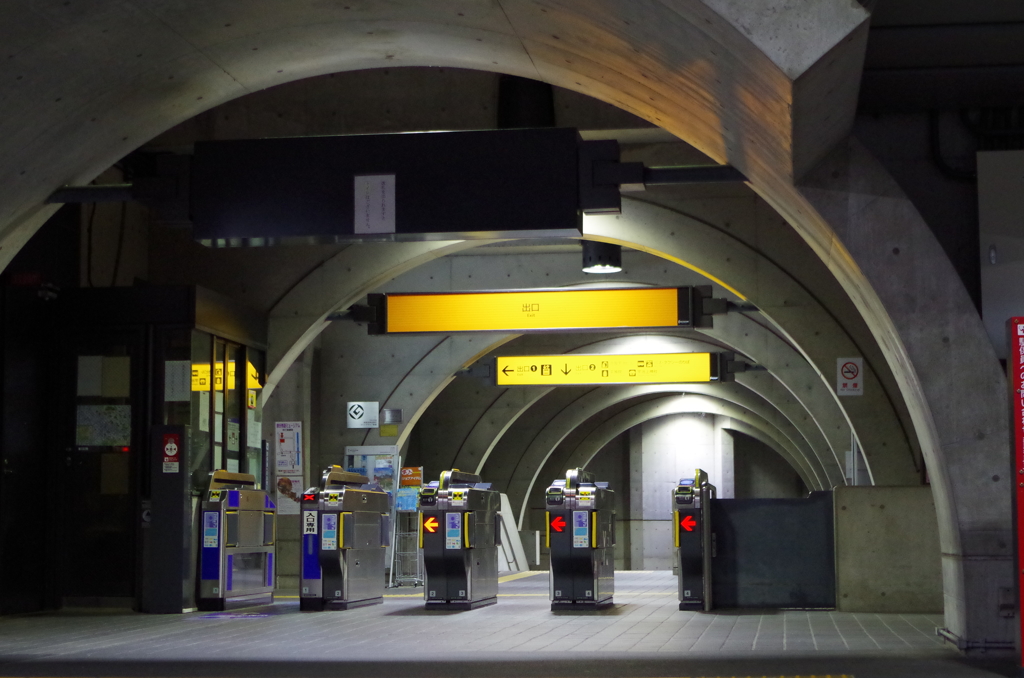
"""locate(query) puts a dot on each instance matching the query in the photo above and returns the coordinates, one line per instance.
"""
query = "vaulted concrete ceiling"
(767, 86)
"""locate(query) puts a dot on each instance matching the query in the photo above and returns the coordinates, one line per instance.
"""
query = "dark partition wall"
(774, 553)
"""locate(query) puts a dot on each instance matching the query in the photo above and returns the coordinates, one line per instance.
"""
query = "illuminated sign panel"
(430, 524)
(558, 523)
(526, 311)
(573, 369)
(201, 376)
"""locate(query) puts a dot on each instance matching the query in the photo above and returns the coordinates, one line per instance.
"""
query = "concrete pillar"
(291, 401)
(636, 498)
(662, 451)
(724, 470)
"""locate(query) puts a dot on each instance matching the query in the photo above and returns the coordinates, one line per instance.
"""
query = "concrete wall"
(661, 452)
(761, 473)
(611, 465)
(292, 401)
(887, 550)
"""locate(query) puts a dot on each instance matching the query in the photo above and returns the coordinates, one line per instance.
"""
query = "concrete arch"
(784, 405)
(496, 419)
(798, 451)
(163, 65)
(582, 454)
(749, 423)
(791, 378)
(301, 313)
(493, 424)
(808, 329)
(540, 448)
(803, 321)
(756, 412)
(763, 101)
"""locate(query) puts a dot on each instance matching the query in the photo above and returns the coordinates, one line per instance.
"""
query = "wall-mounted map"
(104, 426)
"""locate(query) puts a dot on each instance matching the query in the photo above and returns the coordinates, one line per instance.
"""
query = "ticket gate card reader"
(691, 509)
(459, 535)
(581, 539)
(346, 528)
(238, 527)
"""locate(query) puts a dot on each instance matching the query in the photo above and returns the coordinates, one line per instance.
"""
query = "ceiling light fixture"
(601, 257)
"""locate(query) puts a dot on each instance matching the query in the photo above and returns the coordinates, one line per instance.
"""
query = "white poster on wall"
(374, 198)
(363, 415)
(289, 495)
(288, 448)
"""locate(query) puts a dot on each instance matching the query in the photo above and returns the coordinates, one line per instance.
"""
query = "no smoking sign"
(849, 376)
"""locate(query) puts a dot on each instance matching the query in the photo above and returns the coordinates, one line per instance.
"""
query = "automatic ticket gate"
(691, 506)
(346, 528)
(459, 536)
(581, 539)
(236, 556)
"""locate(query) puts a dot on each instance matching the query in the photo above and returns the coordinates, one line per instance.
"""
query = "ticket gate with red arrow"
(581, 540)
(691, 504)
(459, 536)
(346, 527)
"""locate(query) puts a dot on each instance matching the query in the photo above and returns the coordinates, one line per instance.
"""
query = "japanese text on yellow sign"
(201, 376)
(533, 310)
(570, 369)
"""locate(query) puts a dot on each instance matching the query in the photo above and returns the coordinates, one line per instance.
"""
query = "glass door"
(95, 514)
(238, 379)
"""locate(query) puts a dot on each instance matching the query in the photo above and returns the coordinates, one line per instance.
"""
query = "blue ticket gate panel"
(346, 528)
(580, 535)
(691, 509)
(459, 537)
(238, 527)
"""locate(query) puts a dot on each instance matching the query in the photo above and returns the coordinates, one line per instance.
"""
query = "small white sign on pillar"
(850, 376)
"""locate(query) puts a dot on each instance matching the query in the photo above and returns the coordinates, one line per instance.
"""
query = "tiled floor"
(644, 633)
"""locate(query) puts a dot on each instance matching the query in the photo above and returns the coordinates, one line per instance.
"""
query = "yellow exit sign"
(572, 369)
(532, 310)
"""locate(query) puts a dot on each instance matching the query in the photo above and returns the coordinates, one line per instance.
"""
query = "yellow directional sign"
(525, 311)
(573, 369)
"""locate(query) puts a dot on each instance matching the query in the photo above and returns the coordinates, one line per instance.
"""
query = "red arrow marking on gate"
(558, 523)
(430, 524)
(688, 523)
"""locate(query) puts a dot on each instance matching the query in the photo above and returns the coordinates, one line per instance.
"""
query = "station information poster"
(379, 463)
(288, 466)
(407, 499)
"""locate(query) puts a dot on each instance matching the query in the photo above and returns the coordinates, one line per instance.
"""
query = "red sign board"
(430, 524)
(688, 523)
(411, 476)
(1015, 377)
(558, 523)
(171, 452)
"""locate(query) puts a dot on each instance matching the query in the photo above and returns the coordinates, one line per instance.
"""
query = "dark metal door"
(103, 436)
(25, 445)
(774, 553)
